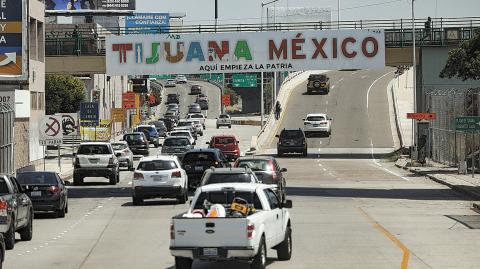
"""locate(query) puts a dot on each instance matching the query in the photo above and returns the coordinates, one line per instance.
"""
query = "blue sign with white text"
(89, 111)
(147, 23)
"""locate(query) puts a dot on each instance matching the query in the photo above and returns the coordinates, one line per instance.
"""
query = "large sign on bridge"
(245, 52)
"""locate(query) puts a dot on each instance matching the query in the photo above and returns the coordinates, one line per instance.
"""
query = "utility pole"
(338, 14)
(216, 15)
(414, 70)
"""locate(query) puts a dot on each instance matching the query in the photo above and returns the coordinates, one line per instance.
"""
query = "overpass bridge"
(81, 50)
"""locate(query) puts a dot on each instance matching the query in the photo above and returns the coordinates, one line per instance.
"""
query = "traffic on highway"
(307, 137)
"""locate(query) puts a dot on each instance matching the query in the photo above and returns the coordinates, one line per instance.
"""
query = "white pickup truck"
(233, 237)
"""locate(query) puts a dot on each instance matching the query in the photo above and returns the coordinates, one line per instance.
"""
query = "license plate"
(210, 252)
(157, 178)
(198, 168)
(36, 193)
(94, 160)
(316, 125)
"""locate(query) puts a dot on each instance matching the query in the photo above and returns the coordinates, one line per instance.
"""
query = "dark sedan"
(46, 190)
(267, 170)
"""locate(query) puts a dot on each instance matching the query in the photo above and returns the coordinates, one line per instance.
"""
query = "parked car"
(160, 126)
(228, 144)
(137, 142)
(317, 123)
(197, 116)
(195, 89)
(96, 159)
(173, 98)
(267, 170)
(224, 120)
(16, 210)
(228, 175)
(46, 190)
(150, 132)
(292, 141)
(183, 133)
(159, 176)
(181, 79)
(176, 145)
(196, 161)
(318, 83)
(124, 154)
(194, 108)
(252, 220)
(170, 83)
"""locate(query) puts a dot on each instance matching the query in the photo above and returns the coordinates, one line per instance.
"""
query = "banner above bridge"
(244, 52)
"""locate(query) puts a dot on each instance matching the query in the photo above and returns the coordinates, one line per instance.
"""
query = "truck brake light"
(137, 176)
(172, 231)
(250, 230)
(176, 174)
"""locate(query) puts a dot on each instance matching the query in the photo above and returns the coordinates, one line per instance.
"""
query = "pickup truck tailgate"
(213, 232)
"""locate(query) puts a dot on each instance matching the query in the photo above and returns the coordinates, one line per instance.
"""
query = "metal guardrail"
(398, 33)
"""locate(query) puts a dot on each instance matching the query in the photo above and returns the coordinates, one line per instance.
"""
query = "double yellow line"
(400, 245)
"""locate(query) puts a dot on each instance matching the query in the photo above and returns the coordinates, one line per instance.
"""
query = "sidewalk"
(447, 176)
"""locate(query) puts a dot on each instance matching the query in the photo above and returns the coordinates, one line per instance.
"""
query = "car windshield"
(316, 118)
(158, 124)
(227, 178)
(223, 117)
(224, 140)
(319, 77)
(133, 137)
(119, 146)
(184, 123)
(148, 129)
(35, 178)
(3, 186)
(255, 165)
(291, 134)
(177, 142)
(93, 149)
(196, 116)
(180, 134)
(156, 165)
(199, 156)
(226, 197)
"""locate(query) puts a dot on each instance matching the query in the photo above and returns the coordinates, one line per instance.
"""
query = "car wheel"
(218, 126)
(66, 206)
(230, 126)
(10, 236)
(182, 199)
(77, 180)
(183, 263)
(113, 179)
(284, 250)
(26, 233)
(118, 176)
(305, 153)
(260, 260)
(61, 212)
(137, 200)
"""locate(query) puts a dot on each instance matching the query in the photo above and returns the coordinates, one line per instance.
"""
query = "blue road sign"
(89, 111)
(145, 23)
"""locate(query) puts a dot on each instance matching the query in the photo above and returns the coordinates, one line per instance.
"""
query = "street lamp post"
(414, 70)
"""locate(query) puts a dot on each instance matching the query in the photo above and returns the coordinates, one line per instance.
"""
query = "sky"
(249, 11)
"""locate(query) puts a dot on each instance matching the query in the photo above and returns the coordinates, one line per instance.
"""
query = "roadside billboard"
(245, 52)
(71, 5)
(13, 40)
(146, 23)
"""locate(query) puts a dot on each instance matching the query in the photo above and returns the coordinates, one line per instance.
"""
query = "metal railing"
(6, 139)
(398, 33)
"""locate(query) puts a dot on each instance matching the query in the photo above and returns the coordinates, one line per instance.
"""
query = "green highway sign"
(244, 80)
(214, 77)
(471, 123)
(161, 76)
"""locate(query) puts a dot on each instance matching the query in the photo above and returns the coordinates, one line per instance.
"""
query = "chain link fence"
(448, 146)
(6, 138)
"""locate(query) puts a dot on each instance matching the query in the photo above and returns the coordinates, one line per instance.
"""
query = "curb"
(461, 189)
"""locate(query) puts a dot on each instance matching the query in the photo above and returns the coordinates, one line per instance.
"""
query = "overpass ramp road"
(359, 105)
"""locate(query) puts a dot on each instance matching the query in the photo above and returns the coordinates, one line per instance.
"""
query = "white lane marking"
(354, 72)
(375, 81)
(340, 80)
(333, 86)
(324, 169)
(326, 102)
(320, 164)
(364, 77)
(375, 161)
(331, 174)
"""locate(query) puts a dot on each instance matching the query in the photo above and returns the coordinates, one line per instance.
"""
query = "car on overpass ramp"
(291, 141)
(317, 123)
(318, 83)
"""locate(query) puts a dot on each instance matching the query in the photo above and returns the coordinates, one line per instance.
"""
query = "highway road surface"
(347, 212)
(358, 104)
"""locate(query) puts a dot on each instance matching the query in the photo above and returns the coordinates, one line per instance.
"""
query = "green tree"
(63, 94)
(464, 61)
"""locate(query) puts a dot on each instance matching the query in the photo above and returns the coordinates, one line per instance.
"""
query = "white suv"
(224, 120)
(317, 123)
(197, 116)
(159, 176)
(96, 159)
